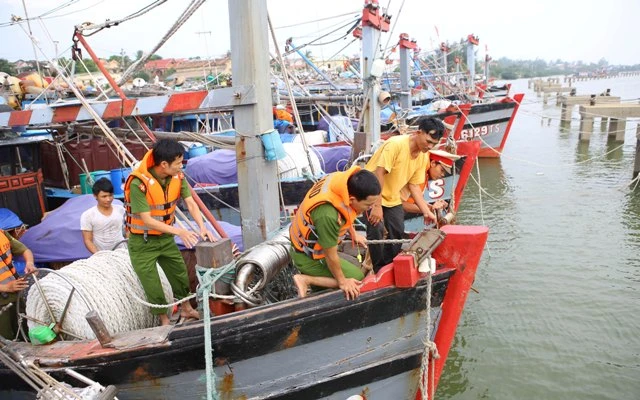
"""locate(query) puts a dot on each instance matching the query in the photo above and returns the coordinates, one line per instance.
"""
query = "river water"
(557, 315)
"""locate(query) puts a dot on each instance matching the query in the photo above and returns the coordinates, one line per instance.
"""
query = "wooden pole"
(257, 177)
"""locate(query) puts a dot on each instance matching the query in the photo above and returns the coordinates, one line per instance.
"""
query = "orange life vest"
(162, 203)
(331, 189)
(283, 115)
(7, 271)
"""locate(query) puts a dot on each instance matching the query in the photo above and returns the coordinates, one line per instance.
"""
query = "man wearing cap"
(439, 163)
(399, 162)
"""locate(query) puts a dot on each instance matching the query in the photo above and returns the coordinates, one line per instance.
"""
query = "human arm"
(19, 249)
(350, 286)
(87, 237)
(375, 215)
(423, 207)
(188, 237)
(410, 208)
(86, 227)
(192, 206)
(14, 286)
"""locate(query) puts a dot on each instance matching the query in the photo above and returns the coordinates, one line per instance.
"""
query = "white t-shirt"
(107, 230)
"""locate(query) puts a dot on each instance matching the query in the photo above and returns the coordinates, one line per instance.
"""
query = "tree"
(91, 66)
(155, 57)
(143, 75)
(6, 66)
(139, 54)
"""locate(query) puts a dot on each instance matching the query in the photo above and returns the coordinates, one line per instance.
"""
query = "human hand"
(429, 217)
(375, 215)
(16, 285)
(350, 287)
(189, 238)
(29, 268)
(439, 205)
(206, 234)
(360, 240)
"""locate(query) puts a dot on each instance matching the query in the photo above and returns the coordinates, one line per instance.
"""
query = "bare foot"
(301, 284)
(164, 319)
(189, 313)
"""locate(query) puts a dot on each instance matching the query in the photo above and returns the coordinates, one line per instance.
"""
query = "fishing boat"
(390, 343)
(489, 123)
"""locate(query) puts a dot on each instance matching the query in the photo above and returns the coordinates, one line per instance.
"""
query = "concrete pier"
(567, 103)
(557, 89)
(617, 114)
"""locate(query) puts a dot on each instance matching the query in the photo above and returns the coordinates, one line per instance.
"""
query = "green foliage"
(143, 75)
(155, 57)
(6, 66)
(90, 66)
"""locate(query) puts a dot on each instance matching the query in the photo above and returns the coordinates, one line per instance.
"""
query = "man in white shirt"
(102, 225)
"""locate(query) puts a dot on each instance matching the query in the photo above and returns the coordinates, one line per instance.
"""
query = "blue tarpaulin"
(59, 238)
(8, 219)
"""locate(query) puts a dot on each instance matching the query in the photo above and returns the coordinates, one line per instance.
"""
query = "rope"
(388, 241)
(106, 283)
(292, 99)
(430, 351)
(186, 14)
(207, 287)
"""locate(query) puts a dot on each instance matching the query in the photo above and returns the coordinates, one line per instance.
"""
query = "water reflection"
(454, 378)
(614, 149)
(488, 187)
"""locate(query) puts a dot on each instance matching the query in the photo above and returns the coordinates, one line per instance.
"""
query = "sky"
(569, 30)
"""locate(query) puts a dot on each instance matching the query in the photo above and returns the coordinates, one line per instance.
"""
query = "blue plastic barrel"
(118, 178)
(196, 151)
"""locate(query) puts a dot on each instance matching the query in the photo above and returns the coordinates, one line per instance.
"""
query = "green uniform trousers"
(309, 266)
(8, 319)
(161, 249)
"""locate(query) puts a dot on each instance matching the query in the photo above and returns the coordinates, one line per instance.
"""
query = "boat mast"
(373, 23)
(257, 178)
(405, 46)
(471, 59)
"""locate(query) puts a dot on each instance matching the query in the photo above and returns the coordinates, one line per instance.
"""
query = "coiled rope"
(106, 283)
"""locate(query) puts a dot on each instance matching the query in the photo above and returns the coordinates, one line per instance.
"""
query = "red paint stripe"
(18, 118)
(185, 101)
(113, 110)
(65, 114)
(128, 106)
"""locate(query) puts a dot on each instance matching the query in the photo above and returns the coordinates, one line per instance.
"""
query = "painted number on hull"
(469, 134)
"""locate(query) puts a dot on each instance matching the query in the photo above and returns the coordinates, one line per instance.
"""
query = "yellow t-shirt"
(395, 157)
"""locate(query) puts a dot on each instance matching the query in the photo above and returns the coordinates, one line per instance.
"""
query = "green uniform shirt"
(138, 198)
(17, 248)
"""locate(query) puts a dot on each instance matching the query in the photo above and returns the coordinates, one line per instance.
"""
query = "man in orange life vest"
(151, 195)
(439, 164)
(10, 282)
(325, 216)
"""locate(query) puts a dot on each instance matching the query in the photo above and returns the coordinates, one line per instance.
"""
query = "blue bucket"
(196, 151)
(118, 178)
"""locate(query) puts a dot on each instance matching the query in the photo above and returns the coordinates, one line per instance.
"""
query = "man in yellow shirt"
(399, 162)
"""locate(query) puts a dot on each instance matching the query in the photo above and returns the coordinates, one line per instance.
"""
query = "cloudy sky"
(570, 30)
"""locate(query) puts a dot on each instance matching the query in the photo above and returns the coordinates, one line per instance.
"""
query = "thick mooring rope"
(106, 283)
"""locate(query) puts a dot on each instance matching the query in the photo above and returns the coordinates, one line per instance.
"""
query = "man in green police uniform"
(10, 283)
(152, 192)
